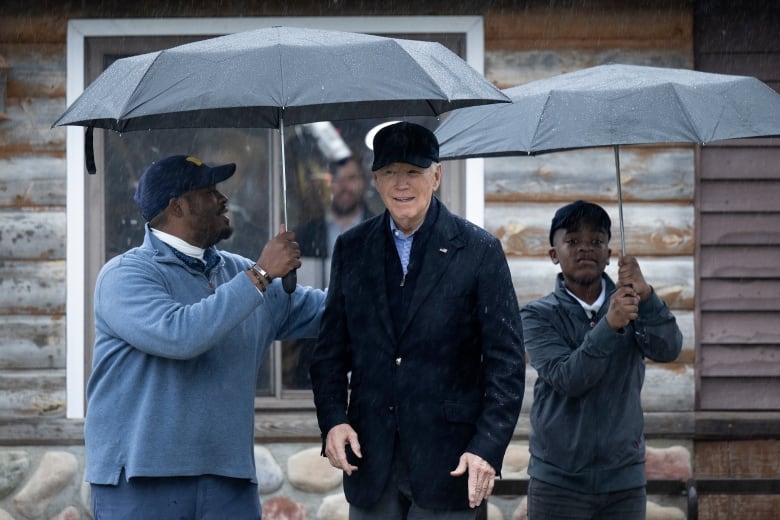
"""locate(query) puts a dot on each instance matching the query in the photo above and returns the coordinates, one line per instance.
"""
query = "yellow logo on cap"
(194, 160)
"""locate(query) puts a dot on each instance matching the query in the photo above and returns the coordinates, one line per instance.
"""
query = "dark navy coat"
(451, 381)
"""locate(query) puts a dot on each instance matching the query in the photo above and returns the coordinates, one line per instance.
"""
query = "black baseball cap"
(407, 143)
(570, 216)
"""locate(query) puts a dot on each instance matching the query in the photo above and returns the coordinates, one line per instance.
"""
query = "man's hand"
(281, 254)
(336, 441)
(481, 475)
(629, 273)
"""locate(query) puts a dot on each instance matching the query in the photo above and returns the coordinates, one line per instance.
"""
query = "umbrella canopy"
(276, 76)
(610, 105)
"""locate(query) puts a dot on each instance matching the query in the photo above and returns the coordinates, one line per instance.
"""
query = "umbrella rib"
(685, 112)
(132, 94)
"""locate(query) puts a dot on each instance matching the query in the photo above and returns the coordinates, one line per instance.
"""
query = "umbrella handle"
(289, 281)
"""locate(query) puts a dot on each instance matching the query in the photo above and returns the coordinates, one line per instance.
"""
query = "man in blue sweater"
(587, 341)
(181, 329)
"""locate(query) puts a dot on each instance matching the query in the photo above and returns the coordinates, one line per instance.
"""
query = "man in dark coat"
(422, 326)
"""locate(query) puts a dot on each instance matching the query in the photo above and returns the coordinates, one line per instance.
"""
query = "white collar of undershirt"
(179, 244)
(592, 308)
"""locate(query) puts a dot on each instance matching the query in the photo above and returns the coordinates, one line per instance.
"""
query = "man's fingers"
(335, 447)
(355, 445)
(460, 469)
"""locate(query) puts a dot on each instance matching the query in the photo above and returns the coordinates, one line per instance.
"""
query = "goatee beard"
(226, 233)
(343, 212)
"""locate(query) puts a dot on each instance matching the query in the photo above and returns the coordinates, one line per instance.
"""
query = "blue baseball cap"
(173, 176)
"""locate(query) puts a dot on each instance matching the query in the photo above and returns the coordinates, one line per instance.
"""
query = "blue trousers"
(548, 502)
(206, 497)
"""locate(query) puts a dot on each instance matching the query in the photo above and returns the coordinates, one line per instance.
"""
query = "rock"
(85, 494)
(69, 513)
(282, 508)
(334, 507)
(270, 476)
(656, 512)
(521, 513)
(13, 468)
(672, 462)
(494, 513)
(56, 470)
(516, 458)
(308, 471)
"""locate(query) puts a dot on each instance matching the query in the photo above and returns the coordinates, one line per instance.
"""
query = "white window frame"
(472, 187)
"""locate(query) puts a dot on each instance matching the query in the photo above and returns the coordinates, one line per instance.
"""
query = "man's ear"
(174, 206)
(553, 255)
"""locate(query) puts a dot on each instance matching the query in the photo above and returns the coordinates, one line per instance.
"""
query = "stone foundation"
(294, 482)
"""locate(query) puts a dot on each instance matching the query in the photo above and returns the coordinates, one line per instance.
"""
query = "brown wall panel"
(743, 161)
(740, 196)
(753, 393)
(739, 295)
(739, 262)
(731, 360)
(739, 229)
(740, 328)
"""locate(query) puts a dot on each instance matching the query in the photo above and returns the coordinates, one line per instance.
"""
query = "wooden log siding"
(738, 226)
(739, 270)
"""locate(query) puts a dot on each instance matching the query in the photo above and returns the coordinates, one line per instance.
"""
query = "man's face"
(348, 187)
(406, 190)
(582, 253)
(204, 211)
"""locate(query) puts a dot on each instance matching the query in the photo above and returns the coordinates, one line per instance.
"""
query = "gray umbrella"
(610, 105)
(277, 76)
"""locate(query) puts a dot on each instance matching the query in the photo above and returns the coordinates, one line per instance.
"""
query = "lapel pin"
(443, 250)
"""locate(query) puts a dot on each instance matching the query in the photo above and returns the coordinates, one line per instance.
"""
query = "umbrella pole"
(284, 168)
(620, 201)
(290, 280)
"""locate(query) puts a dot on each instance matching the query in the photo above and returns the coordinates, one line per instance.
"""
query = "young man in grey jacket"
(587, 341)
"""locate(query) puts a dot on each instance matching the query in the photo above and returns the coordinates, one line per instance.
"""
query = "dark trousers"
(206, 497)
(548, 502)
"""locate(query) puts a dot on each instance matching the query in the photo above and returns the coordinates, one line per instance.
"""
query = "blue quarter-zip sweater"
(175, 363)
